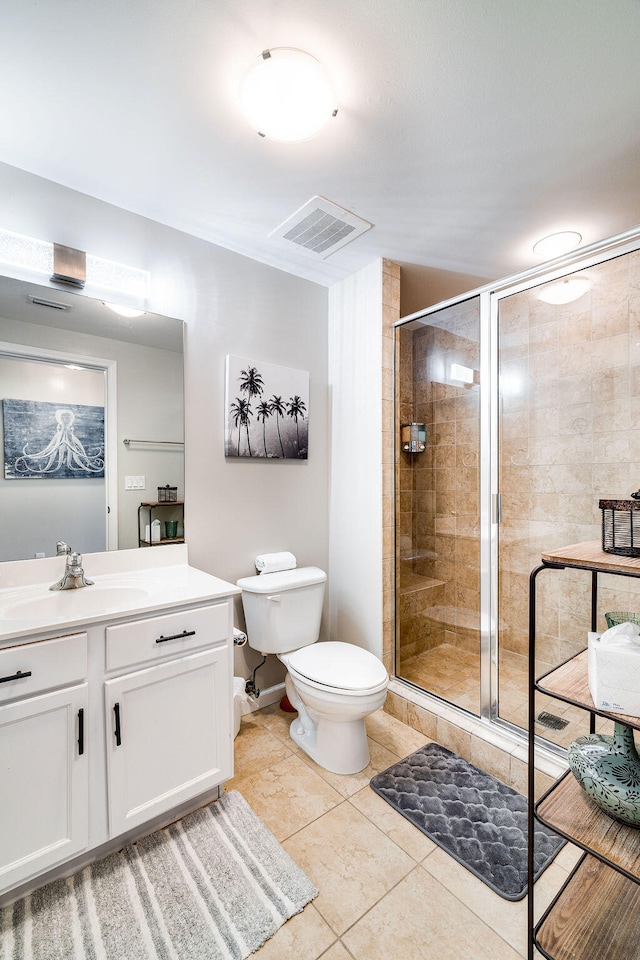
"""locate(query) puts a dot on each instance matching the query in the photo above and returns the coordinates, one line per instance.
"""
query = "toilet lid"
(336, 664)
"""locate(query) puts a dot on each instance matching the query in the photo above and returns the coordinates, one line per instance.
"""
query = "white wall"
(232, 304)
(355, 378)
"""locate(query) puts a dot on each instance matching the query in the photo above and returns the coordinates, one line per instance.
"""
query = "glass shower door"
(565, 422)
(438, 643)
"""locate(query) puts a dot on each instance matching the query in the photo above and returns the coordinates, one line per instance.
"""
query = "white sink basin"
(98, 598)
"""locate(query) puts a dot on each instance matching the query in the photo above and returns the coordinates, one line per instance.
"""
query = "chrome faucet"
(62, 548)
(73, 575)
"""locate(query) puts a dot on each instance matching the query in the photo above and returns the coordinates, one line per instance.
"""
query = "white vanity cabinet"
(168, 726)
(116, 709)
(43, 756)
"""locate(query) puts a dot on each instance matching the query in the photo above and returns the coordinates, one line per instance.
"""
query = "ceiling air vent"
(54, 304)
(321, 227)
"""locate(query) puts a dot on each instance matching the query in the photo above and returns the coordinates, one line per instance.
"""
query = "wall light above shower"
(565, 291)
(464, 374)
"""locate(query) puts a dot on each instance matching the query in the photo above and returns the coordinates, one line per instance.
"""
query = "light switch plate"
(134, 483)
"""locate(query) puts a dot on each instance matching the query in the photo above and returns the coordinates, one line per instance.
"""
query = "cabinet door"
(43, 783)
(168, 735)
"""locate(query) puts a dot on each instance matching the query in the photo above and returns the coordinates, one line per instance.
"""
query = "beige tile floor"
(387, 892)
(454, 674)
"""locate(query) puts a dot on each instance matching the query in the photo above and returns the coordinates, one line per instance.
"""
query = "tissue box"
(614, 677)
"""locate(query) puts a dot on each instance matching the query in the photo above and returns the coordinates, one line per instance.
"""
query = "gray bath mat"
(213, 886)
(480, 821)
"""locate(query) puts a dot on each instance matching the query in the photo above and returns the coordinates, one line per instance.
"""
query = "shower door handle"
(496, 508)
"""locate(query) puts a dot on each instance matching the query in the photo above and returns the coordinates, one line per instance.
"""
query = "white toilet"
(332, 685)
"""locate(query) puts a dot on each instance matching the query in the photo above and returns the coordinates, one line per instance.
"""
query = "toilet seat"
(337, 666)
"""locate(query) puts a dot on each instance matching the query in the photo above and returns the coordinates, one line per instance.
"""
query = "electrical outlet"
(39, 556)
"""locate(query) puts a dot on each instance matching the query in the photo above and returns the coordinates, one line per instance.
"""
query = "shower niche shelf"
(413, 582)
(596, 914)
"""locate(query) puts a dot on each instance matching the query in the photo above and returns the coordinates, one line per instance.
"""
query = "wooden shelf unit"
(569, 682)
(149, 506)
(596, 915)
(567, 931)
(567, 809)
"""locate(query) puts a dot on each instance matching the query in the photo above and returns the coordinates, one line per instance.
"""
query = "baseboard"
(270, 695)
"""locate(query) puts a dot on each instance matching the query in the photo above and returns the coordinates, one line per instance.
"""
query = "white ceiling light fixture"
(565, 291)
(556, 244)
(287, 96)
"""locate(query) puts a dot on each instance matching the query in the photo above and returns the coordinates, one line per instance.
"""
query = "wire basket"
(621, 527)
(167, 494)
(622, 616)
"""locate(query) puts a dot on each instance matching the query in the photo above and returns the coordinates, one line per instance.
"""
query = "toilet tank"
(283, 610)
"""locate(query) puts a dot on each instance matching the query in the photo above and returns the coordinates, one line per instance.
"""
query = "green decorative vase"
(608, 769)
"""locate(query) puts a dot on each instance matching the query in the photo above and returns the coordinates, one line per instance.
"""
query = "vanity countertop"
(122, 587)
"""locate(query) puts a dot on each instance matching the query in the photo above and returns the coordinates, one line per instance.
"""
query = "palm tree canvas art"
(267, 411)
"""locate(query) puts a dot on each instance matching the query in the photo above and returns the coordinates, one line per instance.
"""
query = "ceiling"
(466, 130)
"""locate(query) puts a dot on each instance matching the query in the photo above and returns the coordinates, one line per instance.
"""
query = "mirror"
(63, 350)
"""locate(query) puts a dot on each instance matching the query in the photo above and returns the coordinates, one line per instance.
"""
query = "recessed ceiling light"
(287, 96)
(565, 291)
(556, 244)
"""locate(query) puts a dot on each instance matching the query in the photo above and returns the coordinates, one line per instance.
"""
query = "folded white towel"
(273, 562)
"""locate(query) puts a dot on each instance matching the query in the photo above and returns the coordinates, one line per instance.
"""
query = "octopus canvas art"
(52, 440)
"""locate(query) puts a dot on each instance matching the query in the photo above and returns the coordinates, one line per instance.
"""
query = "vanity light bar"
(26, 258)
(27, 253)
(69, 265)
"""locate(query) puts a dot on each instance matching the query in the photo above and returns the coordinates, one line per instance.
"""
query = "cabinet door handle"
(80, 731)
(176, 636)
(117, 732)
(16, 676)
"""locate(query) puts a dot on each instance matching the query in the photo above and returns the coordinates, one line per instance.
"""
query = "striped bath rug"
(213, 886)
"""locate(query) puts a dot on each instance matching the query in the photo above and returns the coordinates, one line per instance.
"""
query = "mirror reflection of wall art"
(267, 411)
(52, 440)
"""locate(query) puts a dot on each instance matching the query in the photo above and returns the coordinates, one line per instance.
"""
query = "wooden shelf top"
(570, 682)
(568, 809)
(595, 917)
(162, 503)
(589, 555)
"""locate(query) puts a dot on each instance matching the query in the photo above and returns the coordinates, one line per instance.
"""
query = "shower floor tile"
(454, 674)
(448, 672)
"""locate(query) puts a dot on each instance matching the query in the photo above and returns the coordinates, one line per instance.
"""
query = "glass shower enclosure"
(529, 393)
